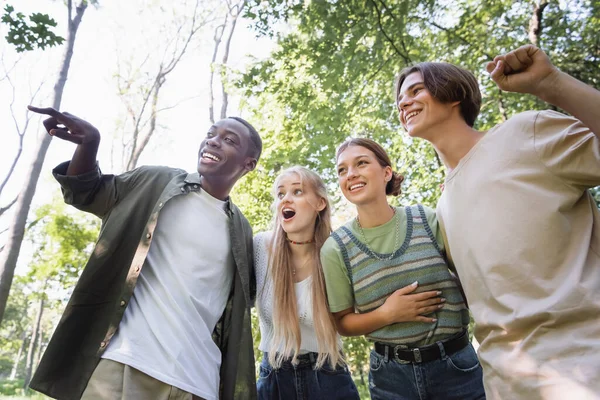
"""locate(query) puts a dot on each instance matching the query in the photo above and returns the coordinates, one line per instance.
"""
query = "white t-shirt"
(264, 300)
(524, 235)
(181, 293)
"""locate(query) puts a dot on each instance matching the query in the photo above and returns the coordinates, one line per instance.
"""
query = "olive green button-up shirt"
(129, 205)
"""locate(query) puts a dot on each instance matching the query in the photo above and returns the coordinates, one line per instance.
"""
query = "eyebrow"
(409, 88)
(356, 158)
(214, 127)
(295, 183)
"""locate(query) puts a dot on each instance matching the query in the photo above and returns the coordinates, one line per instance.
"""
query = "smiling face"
(224, 155)
(421, 114)
(297, 206)
(361, 177)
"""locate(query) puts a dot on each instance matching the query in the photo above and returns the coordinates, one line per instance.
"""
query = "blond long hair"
(286, 324)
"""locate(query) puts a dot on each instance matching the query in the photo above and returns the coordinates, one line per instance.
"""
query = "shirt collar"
(194, 179)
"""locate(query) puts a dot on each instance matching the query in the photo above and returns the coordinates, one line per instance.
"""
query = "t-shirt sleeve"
(436, 229)
(568, 148)
(339, 287)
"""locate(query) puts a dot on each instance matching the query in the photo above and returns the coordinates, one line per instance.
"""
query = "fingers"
(431, 302)
(514, 61)
(46, 111)
(425, 319)
(63, 133)
(63, 118)
(498, 74)
(407, 289)
(426, 295)
(429, 309)
(517, 60)
(70, 116)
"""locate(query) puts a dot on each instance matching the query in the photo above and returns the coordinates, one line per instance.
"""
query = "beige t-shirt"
(524, 235)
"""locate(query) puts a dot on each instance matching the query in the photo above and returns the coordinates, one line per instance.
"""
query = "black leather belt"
(423, 354)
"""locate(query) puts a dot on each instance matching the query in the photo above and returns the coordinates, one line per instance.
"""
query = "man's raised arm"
(529, 70)
(68, 127)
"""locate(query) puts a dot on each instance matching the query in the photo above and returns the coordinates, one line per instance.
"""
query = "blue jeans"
(453, 377)
(303, 382)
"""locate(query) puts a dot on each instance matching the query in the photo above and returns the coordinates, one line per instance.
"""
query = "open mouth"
(357, 186)
(209, 156)
(288, 214)
(411, 115)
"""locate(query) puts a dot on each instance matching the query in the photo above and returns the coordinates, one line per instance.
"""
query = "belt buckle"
(417, 354)
(398, 359)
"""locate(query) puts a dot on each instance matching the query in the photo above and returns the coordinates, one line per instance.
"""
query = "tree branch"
(405, 57)
(20, 131)
(9, 205)
(152, 95)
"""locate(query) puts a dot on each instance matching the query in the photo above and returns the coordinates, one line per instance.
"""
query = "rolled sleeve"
(95, 192)
(77, 189)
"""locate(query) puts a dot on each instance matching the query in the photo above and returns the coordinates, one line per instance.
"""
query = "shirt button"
(195, 186)
(183, 189)
(160, 205)
(103, 345)
(137, 269)
(123, 303)
(148, 235)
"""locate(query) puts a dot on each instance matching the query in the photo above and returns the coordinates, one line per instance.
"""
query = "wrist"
(551, 87)
(384, 316)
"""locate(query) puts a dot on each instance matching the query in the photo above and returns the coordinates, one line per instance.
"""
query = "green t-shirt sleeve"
(435, 226)
(339, 288)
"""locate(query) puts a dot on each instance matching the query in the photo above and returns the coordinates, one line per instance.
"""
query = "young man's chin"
(205, 168)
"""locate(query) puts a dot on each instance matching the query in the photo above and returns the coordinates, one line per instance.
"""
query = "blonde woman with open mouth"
(302, 350)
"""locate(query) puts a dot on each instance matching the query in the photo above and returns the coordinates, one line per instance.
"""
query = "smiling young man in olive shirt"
(162, 307)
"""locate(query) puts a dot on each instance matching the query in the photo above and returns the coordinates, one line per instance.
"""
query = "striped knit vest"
(420, 259)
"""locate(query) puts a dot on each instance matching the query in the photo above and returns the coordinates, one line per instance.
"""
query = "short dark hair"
(254, 137)
(448, 83)
(393, 186)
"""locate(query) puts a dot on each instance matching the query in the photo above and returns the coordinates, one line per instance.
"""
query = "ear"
(250, 164)
(321, 204)
(389, 174)
(455, 103)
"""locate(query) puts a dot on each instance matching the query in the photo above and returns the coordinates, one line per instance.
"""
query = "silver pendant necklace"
(396, 242)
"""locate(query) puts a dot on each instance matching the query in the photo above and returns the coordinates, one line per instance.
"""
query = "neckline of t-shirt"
(210, 198)
(463, 161)
(303, 281)
(382, 229)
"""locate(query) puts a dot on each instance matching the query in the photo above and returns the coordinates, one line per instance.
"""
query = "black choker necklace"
(294, 242)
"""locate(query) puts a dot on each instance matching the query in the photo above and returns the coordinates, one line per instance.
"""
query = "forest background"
(153, 75)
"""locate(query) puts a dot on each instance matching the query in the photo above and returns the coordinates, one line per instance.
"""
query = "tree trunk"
(8, 257)
(32, 345)
(536, 23)
(15, 368)
(234, 12)
(40, 348)
(211, 97)
(362, 376)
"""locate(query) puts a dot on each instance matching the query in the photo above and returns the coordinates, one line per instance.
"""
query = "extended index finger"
(57, 115)
(46, 111)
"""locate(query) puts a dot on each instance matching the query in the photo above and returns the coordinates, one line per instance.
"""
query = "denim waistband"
(307, 360)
